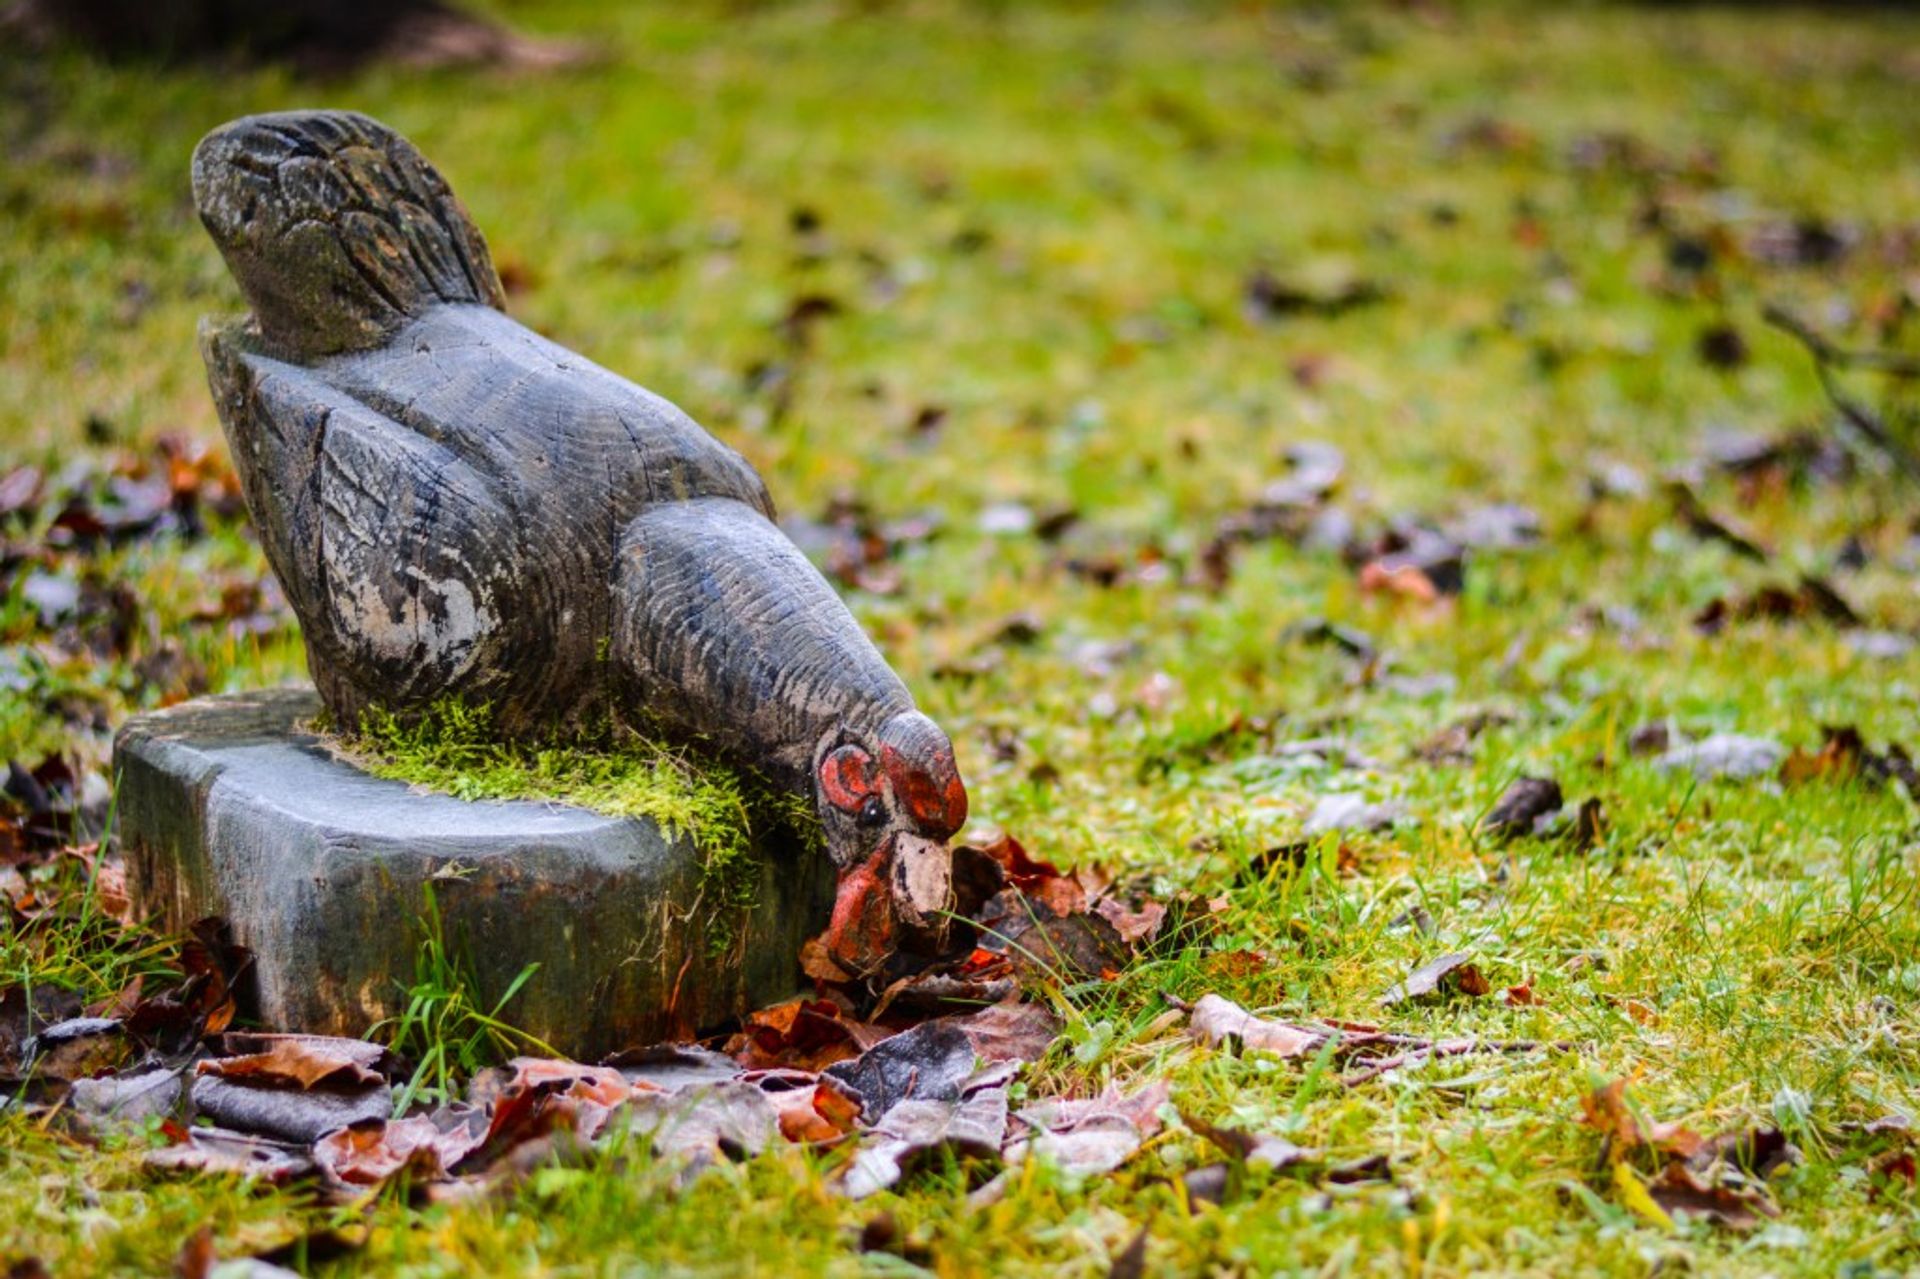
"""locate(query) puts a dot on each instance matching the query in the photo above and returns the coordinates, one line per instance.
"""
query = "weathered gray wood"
(458, 507)
(227, 807)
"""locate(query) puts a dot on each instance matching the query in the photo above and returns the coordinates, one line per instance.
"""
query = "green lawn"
(1037, 227)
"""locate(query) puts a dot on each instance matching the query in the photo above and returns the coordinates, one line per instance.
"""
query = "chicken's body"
(460, 508)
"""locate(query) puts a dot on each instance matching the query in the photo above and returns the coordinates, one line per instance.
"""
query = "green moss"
(452, 748)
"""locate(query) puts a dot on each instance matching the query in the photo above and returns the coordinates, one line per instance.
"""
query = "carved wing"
(394, 552)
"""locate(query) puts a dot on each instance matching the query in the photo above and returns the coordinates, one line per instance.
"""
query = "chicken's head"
(888, 804)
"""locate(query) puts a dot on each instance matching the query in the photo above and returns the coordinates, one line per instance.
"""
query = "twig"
(1444, 1048)
(1898, 363)
(1826, 356)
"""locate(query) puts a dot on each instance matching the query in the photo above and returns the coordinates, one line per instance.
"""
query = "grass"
(1039, 220)
(445, 1030)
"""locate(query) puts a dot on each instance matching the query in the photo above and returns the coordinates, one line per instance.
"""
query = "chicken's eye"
(873, 812)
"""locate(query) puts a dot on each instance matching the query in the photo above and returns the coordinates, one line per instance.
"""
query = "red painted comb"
(918, 760)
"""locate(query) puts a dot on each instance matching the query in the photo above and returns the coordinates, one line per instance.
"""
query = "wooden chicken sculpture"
(457, 507)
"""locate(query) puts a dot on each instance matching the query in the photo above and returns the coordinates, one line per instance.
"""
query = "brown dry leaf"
(301, 1061)
(426, 1146)
(1010, 1031)
(1407, 581)
(1682, 1194)
(1449, 973)
(1844, 754)
(1522, 806)
(239, 1154)
(601, 1085)
(1250, 1147)
(121, 1004)
(970, 1124)
(1609, 1111)
(1091, 1135)
(1043, 945)
(804, 1034)
(817, 962)
(1134, 926)
(1838, 758)
(1216, 1021)
(1241, 964)
(1041, 881)
(813, 1115)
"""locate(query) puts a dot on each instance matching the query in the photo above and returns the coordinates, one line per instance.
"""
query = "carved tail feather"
(336, 228)
(729, 630)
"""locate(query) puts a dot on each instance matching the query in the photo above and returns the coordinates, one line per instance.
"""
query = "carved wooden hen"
(456, 506)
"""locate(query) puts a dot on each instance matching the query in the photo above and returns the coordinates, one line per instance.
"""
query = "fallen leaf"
(288, 1114)
(806, 1034)
(1090, 1135)
(1609, 1111)
(1216, 1021)
(302, 1061)
(970, 1124)
(128, 1100)
(1350, 812)
(1522, 807)
(671, 1067)
(1264, 1149)
(77, 1048)
(1709, 527)
(426, 1147)
(1449, 973)
(1045, 946)
(1133, 926)
(214, 1150)
(933, 1059)
(1728, 755)
(1680, 1193)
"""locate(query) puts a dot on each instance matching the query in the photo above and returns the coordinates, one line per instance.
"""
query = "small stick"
(1898, 363)
(1444, 1048)
(1825, 356)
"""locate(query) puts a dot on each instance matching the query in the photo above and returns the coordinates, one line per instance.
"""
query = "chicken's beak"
(901, 894)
